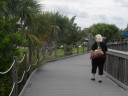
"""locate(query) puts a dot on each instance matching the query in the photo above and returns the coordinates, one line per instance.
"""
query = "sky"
(89, 12)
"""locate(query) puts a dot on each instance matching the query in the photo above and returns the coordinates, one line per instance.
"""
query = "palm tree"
(26, 10)
(48, 29)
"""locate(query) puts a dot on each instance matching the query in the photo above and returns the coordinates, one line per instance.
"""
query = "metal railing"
(20, 71)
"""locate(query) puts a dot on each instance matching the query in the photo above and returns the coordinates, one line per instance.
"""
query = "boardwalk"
(70, 77)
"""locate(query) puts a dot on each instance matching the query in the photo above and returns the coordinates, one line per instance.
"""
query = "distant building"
(125, 34)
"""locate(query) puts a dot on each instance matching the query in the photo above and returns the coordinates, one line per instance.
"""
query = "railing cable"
(8, 69)
(36, 62)
(21, 59)
(29, 68)
(21, 78)
(12, 89)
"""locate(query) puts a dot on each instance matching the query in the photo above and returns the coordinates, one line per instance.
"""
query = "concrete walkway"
(70, 77)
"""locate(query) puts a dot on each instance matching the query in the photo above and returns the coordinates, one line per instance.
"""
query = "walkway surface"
(70, 77)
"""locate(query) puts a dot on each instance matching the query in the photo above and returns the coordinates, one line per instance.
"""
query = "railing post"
(30, 62)
(55, 48)
(106, 63)
(25, 68)
(77, 49)
(83, 48)
(37, 57)
(125, 71)
(43, 53)
(15, 76)
(65, 50)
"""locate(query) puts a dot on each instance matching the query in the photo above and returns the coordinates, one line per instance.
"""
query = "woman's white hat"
(98, 38)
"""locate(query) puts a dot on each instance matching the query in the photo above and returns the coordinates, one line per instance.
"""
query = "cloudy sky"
(89, 12)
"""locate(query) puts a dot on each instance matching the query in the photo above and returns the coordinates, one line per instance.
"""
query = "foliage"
(9, 40)
(56, 28)
(126, 29)
(106, 30)
(70, 32)
(59, 28)
(48, 28)
(14, 19)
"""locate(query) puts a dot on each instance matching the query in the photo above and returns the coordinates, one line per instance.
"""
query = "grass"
(60, 52)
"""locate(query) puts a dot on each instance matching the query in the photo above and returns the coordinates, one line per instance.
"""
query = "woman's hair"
(98, 38)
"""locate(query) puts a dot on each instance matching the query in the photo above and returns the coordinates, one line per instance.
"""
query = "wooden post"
(106, 63)
(65, 50)
(25, 68)
(37, 57)
(30, 62)
(77, 48)
(15, 76)
(43, 53)
(125, 71)
(55, 48)
(83, 47)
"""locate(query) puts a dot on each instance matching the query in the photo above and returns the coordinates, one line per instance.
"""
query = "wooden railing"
(119, 46)
(116, 67)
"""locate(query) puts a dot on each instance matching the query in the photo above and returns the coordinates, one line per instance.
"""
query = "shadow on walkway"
(70, 77)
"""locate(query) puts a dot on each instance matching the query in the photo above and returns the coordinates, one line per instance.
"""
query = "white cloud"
(89, 12)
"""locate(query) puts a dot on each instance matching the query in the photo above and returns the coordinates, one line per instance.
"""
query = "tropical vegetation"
(24, 24)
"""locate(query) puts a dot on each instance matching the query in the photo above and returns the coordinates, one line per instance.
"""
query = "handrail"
(118, 46)
(12, 89)
(29, 68)
(8, 69)
(41, 58)
(22, 59)
(116, 67)
(35, 62)
(21, 78)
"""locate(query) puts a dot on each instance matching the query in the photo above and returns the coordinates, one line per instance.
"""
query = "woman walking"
(99, 61)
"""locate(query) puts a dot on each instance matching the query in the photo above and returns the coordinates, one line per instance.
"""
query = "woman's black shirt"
(102, 45)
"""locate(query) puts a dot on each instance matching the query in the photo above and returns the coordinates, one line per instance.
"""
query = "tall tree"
(106, 30)
(10, 38)
(28, 11)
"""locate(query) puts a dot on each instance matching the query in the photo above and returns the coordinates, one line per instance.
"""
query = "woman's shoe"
(93, 79)
(100, 81)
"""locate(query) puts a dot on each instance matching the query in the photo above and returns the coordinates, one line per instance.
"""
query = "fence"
(20, 71)
(121, 45)
(116, 67)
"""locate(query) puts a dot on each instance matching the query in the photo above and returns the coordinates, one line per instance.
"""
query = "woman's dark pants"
(98, 63)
